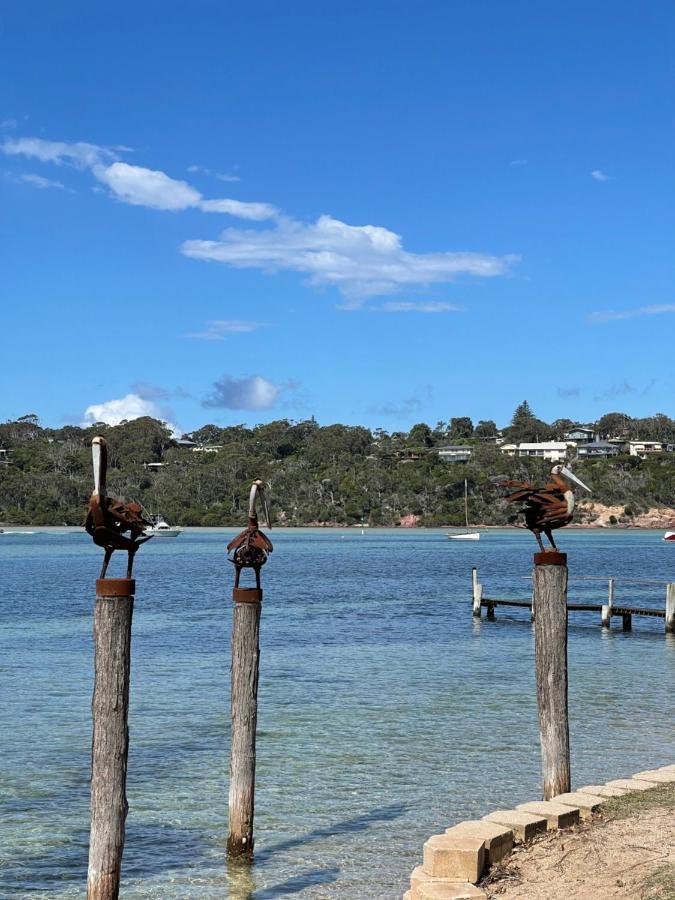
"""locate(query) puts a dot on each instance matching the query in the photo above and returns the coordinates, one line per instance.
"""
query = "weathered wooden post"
(107, 521)
(550, 651)
(110, 745)
(606, 613)
(670, 609)
(249, 550)
(477, 592)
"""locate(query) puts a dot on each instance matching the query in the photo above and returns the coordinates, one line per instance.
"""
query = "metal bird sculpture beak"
(570, 476)
(99, 452)
(258, 490)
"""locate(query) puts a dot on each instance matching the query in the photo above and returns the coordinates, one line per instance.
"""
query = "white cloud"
(255, 211)
(112, 412)
(612, 315)
(253, 392)
(39, 182)
(154, 188)
(361, 261)
(221, 176)
(216, 329)
(147, 187)
(136, 185)
(433, 306)
(79, 154)
(599, 175)
(518, 162)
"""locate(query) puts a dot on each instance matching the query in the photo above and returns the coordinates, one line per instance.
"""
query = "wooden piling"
(477, 592)
(244, 709)
(670, 609)
(550, 647)
(606, 614)
(113, 612)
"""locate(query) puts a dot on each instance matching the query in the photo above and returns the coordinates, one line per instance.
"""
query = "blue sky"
(376, 213)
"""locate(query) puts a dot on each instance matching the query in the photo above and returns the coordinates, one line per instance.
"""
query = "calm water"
(386, 712)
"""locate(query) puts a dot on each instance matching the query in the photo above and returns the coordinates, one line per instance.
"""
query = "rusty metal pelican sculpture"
(109, 519)
(250, 548)
(549, 507)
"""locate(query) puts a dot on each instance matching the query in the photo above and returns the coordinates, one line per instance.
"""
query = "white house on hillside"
(555, 451)
(459, 453)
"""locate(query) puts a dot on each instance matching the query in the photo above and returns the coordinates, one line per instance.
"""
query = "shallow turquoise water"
(386, 712)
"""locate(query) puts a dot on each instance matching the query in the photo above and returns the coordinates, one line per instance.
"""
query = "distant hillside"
(335, 474)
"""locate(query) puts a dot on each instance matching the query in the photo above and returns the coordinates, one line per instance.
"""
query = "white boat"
(468, 534)
(160, 528)
(669, 536)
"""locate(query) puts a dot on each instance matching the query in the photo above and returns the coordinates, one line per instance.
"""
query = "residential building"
(208, 448)
(581, 434)
(459, 453)
(555, 451)
(597, 450)
(644, 448)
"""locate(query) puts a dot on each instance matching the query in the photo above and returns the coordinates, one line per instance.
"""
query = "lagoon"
(386, 712)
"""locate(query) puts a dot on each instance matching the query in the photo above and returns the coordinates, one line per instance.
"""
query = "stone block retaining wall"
(455, 861)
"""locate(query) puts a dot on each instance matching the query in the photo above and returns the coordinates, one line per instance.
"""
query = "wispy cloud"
(620, 389)
(433, 306)
(136, 185)
(39, 182)
(79, 154)
(613, 315)
(360, 260)
(403, 409)
(518, 162)
(568, 392)
(8, 124)
(217, 329)
(148, 187)
(625, 388)
(221, 176)
(252, 392)
(599, 175)
(148, 391)
(126, 408)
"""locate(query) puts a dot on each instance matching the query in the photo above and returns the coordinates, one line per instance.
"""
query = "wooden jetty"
(607, 610)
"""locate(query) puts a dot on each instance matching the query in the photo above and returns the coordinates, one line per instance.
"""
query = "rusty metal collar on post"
(250, 548)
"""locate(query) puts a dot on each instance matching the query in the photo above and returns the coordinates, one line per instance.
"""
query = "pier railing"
(608, 609)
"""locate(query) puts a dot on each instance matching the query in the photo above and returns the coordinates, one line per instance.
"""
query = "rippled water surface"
(386, 712)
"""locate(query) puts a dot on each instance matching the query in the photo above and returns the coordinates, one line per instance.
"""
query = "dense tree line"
(332, 474)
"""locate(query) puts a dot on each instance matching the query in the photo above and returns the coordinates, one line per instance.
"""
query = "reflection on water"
(386, 712)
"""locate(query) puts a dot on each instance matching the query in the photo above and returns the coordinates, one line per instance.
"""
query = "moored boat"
(468, 534)
(669, 536)
(160, 528)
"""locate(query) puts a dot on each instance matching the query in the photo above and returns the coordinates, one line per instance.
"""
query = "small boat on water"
(7, 533)
(161, 528)
(469, 534)
(669, 536)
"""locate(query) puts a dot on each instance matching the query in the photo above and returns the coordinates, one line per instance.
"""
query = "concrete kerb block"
(423, 885)
(454, 857)
(587, 804)
(498, 838)
(601, 790)
(556, 814)
(631, 784)
(451, 891)
(658, 776)
(525, 826)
